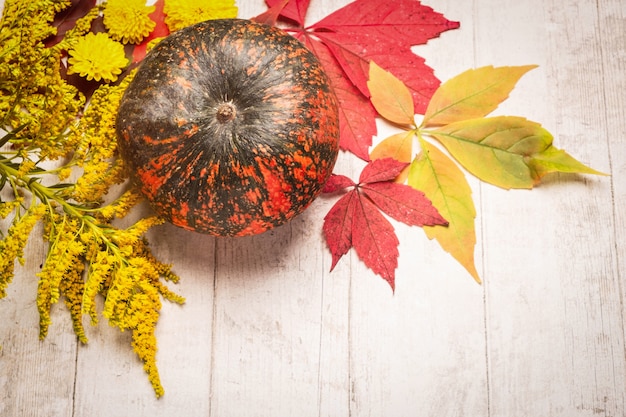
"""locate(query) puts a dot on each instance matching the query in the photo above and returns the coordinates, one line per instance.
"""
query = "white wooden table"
(267, 331)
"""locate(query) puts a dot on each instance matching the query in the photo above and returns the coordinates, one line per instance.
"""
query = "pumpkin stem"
(226, 112)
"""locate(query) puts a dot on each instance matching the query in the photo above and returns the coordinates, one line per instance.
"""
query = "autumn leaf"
(337, 182)
(398, 146)
(381, 170)
(357, 116)
(557, 160)
(338, 227)
(506, 151)
(383, 31)
(445, 185)
(292, 10)
(374, 240)
(347, 40)
(472, 94)
(390, 97)
(357, 220)
(270, 17)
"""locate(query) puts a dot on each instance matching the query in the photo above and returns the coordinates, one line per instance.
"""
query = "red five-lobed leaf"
(369, 30)
(384, 31)
(357, 220)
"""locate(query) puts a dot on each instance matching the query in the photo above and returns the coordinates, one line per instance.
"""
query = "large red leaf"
(404, 21)
(347, 40)
(357, 116)
(294, 10)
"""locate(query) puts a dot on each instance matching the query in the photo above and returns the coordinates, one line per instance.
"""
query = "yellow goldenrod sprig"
(59, 164)
(119, 263)
(12, 246)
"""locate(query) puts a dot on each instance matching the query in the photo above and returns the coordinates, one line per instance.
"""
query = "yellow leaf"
(471, 94)
(398, 147)
(390, 97)
(443, 182)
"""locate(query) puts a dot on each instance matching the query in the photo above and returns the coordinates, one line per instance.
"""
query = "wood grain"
(267, 330)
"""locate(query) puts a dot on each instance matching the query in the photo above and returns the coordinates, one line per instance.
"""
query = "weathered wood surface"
(268, 331)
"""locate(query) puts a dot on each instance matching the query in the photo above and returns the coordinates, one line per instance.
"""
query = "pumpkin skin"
(230, 127)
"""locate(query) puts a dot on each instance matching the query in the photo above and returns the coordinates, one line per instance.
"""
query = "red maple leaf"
(357, 220)
(366, 30)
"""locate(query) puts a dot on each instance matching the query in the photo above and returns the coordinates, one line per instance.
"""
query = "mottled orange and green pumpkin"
(230, 127)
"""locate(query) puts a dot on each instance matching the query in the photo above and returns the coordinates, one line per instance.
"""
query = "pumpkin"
(230, 127)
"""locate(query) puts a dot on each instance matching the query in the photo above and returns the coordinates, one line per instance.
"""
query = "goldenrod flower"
(12, 246)
(182, 13)
(97, 57)
(47, 119)
(72, 286)
(64, 256)
(128, 21)
(96, 145)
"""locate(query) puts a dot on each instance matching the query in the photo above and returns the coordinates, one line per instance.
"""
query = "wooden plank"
(267, 328)
(36, 377)
(268, 331)
(612, 32)
(554, 313)
(280, 320)
(421, 351)
(110, 378)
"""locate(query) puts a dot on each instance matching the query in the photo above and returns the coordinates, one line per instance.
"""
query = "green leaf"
(557, 160)
(472, 94)
(498, 149)
(506, 151)
(443, 182)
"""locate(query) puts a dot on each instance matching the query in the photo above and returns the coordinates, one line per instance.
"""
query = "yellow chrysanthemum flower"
(128, 21)
(182, 13)
(97, 57)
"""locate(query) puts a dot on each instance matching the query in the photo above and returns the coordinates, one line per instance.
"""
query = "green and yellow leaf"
(443, 182)
(506, 151)
(497, 150)
(472, 94)
(398, 146)
(557, 160)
